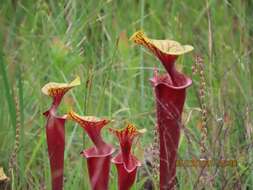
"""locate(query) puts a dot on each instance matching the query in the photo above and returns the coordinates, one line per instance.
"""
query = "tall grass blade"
(6, 86)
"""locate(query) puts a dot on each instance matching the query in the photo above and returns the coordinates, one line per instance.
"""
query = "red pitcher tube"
(55, 130)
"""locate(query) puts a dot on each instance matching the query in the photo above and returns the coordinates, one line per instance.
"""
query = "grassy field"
(48, 40)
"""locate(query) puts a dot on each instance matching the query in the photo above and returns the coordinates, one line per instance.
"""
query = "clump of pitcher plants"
(170, 93)
(99, 157)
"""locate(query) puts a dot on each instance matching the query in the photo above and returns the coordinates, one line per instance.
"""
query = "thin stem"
(141, 57)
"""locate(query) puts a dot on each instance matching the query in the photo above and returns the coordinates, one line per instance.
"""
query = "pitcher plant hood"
(167, 51)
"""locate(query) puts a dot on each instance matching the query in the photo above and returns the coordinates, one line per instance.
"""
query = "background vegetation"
(48, 40)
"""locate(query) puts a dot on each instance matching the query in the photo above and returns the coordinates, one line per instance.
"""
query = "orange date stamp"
(206, 163)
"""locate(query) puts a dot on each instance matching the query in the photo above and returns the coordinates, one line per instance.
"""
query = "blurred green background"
(48, 40)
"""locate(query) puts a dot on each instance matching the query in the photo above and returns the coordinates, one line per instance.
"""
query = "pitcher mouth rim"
(155, 82)
(86, 154)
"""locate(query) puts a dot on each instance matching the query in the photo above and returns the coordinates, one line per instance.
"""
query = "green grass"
(50, 40)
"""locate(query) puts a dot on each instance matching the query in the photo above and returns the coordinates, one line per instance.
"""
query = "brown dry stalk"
(210, 30)
(13, 165)
(199, 68)
(202, 94)
(248, 124)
